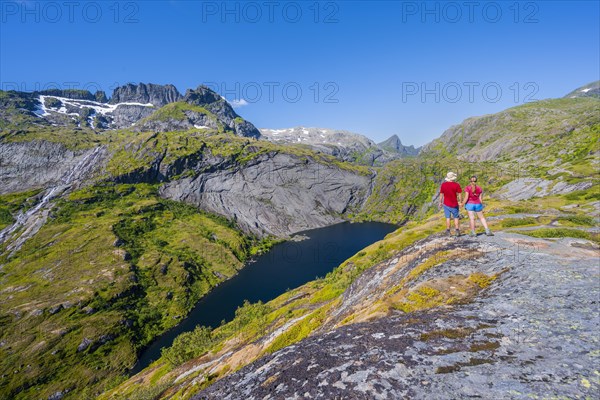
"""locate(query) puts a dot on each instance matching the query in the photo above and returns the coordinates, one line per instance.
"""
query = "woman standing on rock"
(473, 204)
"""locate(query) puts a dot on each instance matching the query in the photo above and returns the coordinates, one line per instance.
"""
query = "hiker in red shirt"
(449, 198)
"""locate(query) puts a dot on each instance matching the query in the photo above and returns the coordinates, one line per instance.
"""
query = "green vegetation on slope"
(145, 150)
(561, 233)
(11, 204)
(115, 266)
(72, 138)
(248, 318)
(405, 189)
(12, 115)
(177, 112)
(535, 134)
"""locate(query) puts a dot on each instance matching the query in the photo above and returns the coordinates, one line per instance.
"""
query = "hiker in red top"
(473, 201)
(449, 198)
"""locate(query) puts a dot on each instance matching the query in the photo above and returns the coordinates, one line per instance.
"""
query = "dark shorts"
(474, 207)
(450, 211)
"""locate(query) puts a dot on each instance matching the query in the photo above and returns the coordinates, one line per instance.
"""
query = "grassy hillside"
(11, 204)
(554, 140)
(114, 267)
(536, 132)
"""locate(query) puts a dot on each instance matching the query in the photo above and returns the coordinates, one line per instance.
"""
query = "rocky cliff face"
(275, 194)
(263, 188)
(42, 164)
(157, 95)
(126, 116)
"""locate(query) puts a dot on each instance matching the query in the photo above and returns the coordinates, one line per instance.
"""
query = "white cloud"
(237, 103)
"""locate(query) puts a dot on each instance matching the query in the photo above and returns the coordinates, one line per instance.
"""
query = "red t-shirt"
(449, 190)
(474, 196)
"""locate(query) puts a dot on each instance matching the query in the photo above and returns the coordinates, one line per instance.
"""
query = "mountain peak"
(150, 93)
(592, 89)
(201, 96)
(200, 108)
(394, 144)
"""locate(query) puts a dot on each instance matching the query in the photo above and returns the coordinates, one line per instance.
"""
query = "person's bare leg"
(448, 224)
(483, 221)
(471, 220)
(456, 224)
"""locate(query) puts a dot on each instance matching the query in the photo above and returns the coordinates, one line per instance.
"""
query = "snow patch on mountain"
(99, 108)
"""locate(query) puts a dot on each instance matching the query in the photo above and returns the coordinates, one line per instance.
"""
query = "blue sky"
(377, 68)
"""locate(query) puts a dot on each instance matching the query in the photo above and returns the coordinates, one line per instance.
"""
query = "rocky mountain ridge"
(200, 108)
(345, 145)
(157, 95)
(519, 133)
(128, 105)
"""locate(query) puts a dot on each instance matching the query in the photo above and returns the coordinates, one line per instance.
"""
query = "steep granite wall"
(277, 194)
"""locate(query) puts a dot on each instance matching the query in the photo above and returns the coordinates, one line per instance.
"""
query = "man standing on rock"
(449, 198)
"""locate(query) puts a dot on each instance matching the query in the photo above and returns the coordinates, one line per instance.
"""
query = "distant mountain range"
(151, 107)
(347, 146)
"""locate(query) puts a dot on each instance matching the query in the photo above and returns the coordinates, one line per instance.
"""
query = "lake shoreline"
(315, 255)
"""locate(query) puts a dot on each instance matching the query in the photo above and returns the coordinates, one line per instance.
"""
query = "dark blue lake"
(286, 266)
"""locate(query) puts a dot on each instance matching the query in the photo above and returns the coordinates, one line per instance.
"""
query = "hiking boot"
(489, 233)
(457, 232)
(447, 232)
(472, 234)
